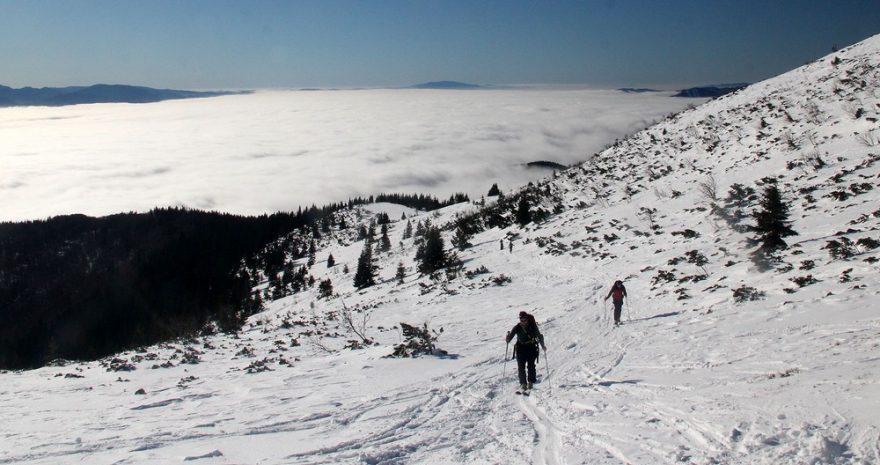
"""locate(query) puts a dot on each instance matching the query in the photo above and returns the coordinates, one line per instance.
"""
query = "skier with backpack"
(528, 338)
(617, 294)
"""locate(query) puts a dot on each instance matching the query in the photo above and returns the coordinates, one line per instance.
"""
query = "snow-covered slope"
(693, 376)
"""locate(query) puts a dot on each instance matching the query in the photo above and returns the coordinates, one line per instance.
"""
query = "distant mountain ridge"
(711, 91)
(98, 93)
(636, 90)
(446, 85)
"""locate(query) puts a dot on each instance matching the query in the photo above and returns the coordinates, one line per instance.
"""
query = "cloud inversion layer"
(277, 150)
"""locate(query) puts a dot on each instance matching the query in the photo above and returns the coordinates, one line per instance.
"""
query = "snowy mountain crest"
(730, 352)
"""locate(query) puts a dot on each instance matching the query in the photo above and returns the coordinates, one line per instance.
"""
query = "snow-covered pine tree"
(434, 256)
(365, 276)
(771, 221)
(325, 289)
(384, 241)
(401, 273)
(494, 190)
(523, 215)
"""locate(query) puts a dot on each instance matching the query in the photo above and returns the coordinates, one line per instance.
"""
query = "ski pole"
(547, 366)
(504, 370)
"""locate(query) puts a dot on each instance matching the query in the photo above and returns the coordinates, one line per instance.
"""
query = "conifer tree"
(771, 222)
(408, 230)
(523, 215)
(461, 239)
(365, 275)
(401, 273)
(384, 241)
(494, 190)
(325, 288)
(331, 262)
(434, 256)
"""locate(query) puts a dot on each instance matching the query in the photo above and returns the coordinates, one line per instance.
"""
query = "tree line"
(79, 287)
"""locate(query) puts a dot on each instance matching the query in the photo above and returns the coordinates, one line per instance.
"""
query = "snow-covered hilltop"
(724, 356)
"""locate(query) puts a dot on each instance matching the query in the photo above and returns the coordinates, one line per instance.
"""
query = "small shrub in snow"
(867, 243)
(663, 276)
(868, 139)
(191, 356)
(245, 352)
(697, 258)
(860, 188)
(649, 214)
(687, 234)
(842, 249)
(471, 274)
(784, 374)
(814, 159)
(501, 280)
(839, 195)
(803, 281)
(118, 364)
(784, 267)
(709, 189)
(258, 366)
(417, 341)
(807, 265)
(746, 294)
(185, 381)
(357, 325)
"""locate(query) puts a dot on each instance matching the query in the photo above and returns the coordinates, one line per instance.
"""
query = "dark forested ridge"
(82, 287)
(78, 287)
(99, 93)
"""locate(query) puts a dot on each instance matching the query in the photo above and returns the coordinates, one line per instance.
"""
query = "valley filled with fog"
(279, 150)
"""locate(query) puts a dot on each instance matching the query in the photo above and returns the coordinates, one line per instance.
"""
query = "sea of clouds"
(278, 150)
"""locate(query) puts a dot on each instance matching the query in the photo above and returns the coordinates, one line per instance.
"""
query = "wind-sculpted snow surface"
(723, 357)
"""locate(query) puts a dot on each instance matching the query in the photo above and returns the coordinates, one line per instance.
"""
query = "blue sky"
(202, 44)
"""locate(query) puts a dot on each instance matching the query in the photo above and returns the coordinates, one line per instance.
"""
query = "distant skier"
(528, 338)
(617, 294)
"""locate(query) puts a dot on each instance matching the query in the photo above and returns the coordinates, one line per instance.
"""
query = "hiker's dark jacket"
(527, 340)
